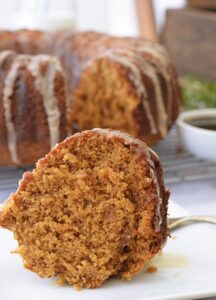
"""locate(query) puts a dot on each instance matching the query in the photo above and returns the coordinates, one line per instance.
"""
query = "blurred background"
(187, 29)
(111, 16)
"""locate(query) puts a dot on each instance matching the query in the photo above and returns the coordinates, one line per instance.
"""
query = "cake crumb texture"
(93, 208)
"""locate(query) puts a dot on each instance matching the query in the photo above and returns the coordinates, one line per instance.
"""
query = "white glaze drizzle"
(7, 93)
(129, 140)
(161, 55)
(45, 85)
(156, 48)
(148, 70)
(137, 80)
(141, 65)
(154, 177)
(4, 55)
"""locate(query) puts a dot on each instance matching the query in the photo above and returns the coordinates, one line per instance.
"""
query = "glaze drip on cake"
(137, 81)
(7, 93)
(127, 84)
(161, 56)
(4, 55)
(140, 66)
(46, 72)
(45, 85)
(88, 56)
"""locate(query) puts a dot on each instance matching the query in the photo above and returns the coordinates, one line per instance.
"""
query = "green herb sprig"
(198, 92)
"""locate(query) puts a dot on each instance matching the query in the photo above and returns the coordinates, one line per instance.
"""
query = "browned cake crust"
(32, 107)
(94, 207)
(128, 84)
(24, 41)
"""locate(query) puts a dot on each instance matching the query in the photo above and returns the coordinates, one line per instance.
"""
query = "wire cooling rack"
(179, 166)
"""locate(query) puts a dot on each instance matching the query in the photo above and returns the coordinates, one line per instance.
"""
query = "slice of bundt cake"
(32, 107)
(94, 207)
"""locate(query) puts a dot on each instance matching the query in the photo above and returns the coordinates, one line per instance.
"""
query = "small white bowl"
(199, 141)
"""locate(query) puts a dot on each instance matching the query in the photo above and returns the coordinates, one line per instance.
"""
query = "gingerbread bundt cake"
(32, 107)
(127, 84)
(94, 207)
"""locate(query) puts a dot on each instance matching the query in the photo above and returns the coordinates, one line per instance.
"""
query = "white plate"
(199, 141)
(186, 270)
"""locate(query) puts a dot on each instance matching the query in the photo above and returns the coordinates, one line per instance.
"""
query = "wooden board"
(190, 36)
(206, 4)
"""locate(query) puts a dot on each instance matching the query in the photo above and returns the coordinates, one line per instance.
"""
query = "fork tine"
(175, 223)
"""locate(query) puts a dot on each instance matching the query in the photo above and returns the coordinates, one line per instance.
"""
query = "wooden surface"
(190, 36)
(206, 4)
(146, 19)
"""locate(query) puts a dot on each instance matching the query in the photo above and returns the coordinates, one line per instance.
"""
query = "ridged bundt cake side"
(94, 207)
(122, 83)
(127, 84)
(32, 107)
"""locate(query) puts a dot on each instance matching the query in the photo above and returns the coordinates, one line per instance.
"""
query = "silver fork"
(175, 223)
